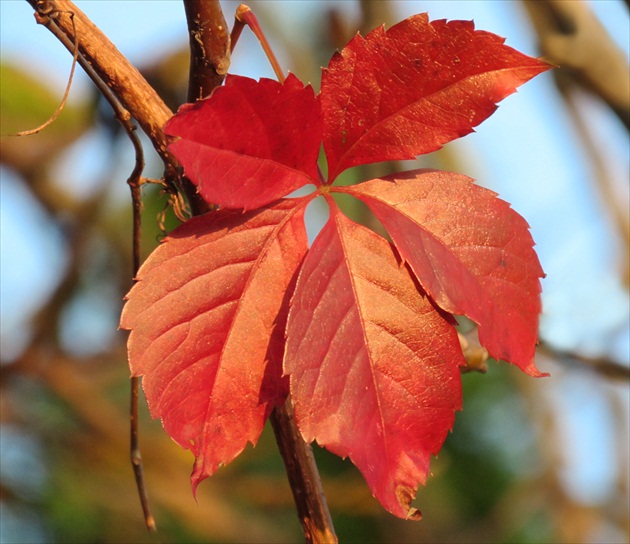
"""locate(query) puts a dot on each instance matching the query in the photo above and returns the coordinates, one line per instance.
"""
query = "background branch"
(601, 365)
(572, 37)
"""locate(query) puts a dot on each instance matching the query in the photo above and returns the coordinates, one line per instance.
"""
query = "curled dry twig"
(75, 56)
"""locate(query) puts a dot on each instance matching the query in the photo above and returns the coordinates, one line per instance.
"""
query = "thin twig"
(134, 181)
(51, 119)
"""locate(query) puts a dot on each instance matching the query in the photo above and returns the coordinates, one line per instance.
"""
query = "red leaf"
(470, 251)
(251, 142)
(407, 91)
(373, 366)
(207, 327)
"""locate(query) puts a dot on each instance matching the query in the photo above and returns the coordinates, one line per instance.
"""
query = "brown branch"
(209, 47)
(118, 80)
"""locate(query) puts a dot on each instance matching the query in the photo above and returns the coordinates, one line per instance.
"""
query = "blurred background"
(529, 461)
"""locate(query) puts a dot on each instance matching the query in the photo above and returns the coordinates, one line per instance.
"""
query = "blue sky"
(527, 152)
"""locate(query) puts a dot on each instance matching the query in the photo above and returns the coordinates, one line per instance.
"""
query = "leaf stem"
(245, 15)
(237, 30)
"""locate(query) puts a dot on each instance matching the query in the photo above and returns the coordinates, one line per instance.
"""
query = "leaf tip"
(535, 373)
(529, 367)
(200, 471)
(405, 495)
(194, 483)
